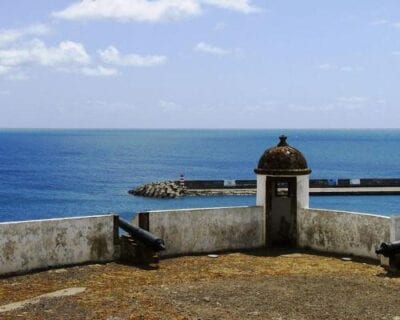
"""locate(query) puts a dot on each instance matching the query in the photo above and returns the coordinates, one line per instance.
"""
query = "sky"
(199, 64)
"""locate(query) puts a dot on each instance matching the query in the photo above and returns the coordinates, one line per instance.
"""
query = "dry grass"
(273, 285)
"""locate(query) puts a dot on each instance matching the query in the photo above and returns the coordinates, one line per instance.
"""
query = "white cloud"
(211, 49)
(8, 36)
(69, 57)
(67, 54)
(396, 53)
(130, 10)
(111, 55)
(36, 52)
(244, 6)
(396, 24)
(147, 10)
(99, 71)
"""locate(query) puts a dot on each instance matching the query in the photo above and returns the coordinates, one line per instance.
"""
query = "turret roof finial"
(282, 142)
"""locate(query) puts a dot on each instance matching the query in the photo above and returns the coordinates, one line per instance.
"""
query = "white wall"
(261, 189)
(190, 231)
(303, 191)
(29, 245)
(342, 232)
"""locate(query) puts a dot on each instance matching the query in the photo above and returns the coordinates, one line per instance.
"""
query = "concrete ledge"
(39, 244)
(190, 231)
(314, 183)
(342, 232)
(353, 191)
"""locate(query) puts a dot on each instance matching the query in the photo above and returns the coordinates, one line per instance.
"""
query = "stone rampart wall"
(190, 231)
(30, 245)
(343, 232)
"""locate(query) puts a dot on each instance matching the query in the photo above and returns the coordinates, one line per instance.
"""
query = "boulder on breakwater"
(173, 189)
(163, 189)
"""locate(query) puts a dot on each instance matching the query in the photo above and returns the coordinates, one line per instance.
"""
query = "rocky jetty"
(172, 189)
(163, 189)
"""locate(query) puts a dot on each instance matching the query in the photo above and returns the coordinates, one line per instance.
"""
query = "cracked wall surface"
(30, 245)
(190, 231)
(343, 232)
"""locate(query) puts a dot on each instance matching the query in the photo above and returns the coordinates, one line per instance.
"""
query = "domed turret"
(283, 179)
(282, 160)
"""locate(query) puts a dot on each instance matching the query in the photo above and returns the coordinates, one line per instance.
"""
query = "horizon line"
(186, 128)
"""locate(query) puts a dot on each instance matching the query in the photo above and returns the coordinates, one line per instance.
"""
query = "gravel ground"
(275, 285)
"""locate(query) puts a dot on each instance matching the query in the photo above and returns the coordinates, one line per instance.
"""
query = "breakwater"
(314, 183)
(173, 189)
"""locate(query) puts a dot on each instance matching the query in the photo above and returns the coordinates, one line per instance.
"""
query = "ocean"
(59, 173)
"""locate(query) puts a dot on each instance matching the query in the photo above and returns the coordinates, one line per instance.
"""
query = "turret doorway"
(280, 211)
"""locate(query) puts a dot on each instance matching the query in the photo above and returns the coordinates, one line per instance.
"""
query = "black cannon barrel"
(389, 249)
(142, 235)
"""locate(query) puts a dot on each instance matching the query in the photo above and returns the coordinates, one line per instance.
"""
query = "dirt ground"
(275, 285)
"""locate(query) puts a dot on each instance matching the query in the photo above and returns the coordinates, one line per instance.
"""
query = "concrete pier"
(318, 187)
(354, 191)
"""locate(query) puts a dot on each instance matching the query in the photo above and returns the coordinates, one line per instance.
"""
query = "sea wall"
(190, 231)
(30, 245)
(344, 232)
(320, 187)
(219, 184)
(314, 183)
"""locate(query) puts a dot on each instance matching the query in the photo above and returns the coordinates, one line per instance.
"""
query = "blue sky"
(199, 64)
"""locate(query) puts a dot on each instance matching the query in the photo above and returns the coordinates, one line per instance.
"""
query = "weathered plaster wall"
(342, 232)
(37, 244)
(303, 191)
(206, 230)
(395, 230)
(261, 189)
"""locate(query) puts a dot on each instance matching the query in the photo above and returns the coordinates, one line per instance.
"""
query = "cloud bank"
(8, 36)
(99, 71)
(147, 10)
(37, 52)
(111, 55)
(70, 57)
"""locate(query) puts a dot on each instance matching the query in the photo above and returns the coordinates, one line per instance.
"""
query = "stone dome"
(282, 160)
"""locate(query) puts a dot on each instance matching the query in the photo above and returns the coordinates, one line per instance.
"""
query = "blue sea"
(58, 173)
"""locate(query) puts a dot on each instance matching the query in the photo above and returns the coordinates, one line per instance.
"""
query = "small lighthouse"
(282, 188)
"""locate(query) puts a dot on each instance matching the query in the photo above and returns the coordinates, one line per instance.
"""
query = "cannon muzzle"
(388, 249)
(142, 235)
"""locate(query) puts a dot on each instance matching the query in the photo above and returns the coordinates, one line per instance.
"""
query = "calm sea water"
(57, 173)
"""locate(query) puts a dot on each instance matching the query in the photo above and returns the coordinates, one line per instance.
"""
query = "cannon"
(391, 250)
(388, 249)
(142, 236)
